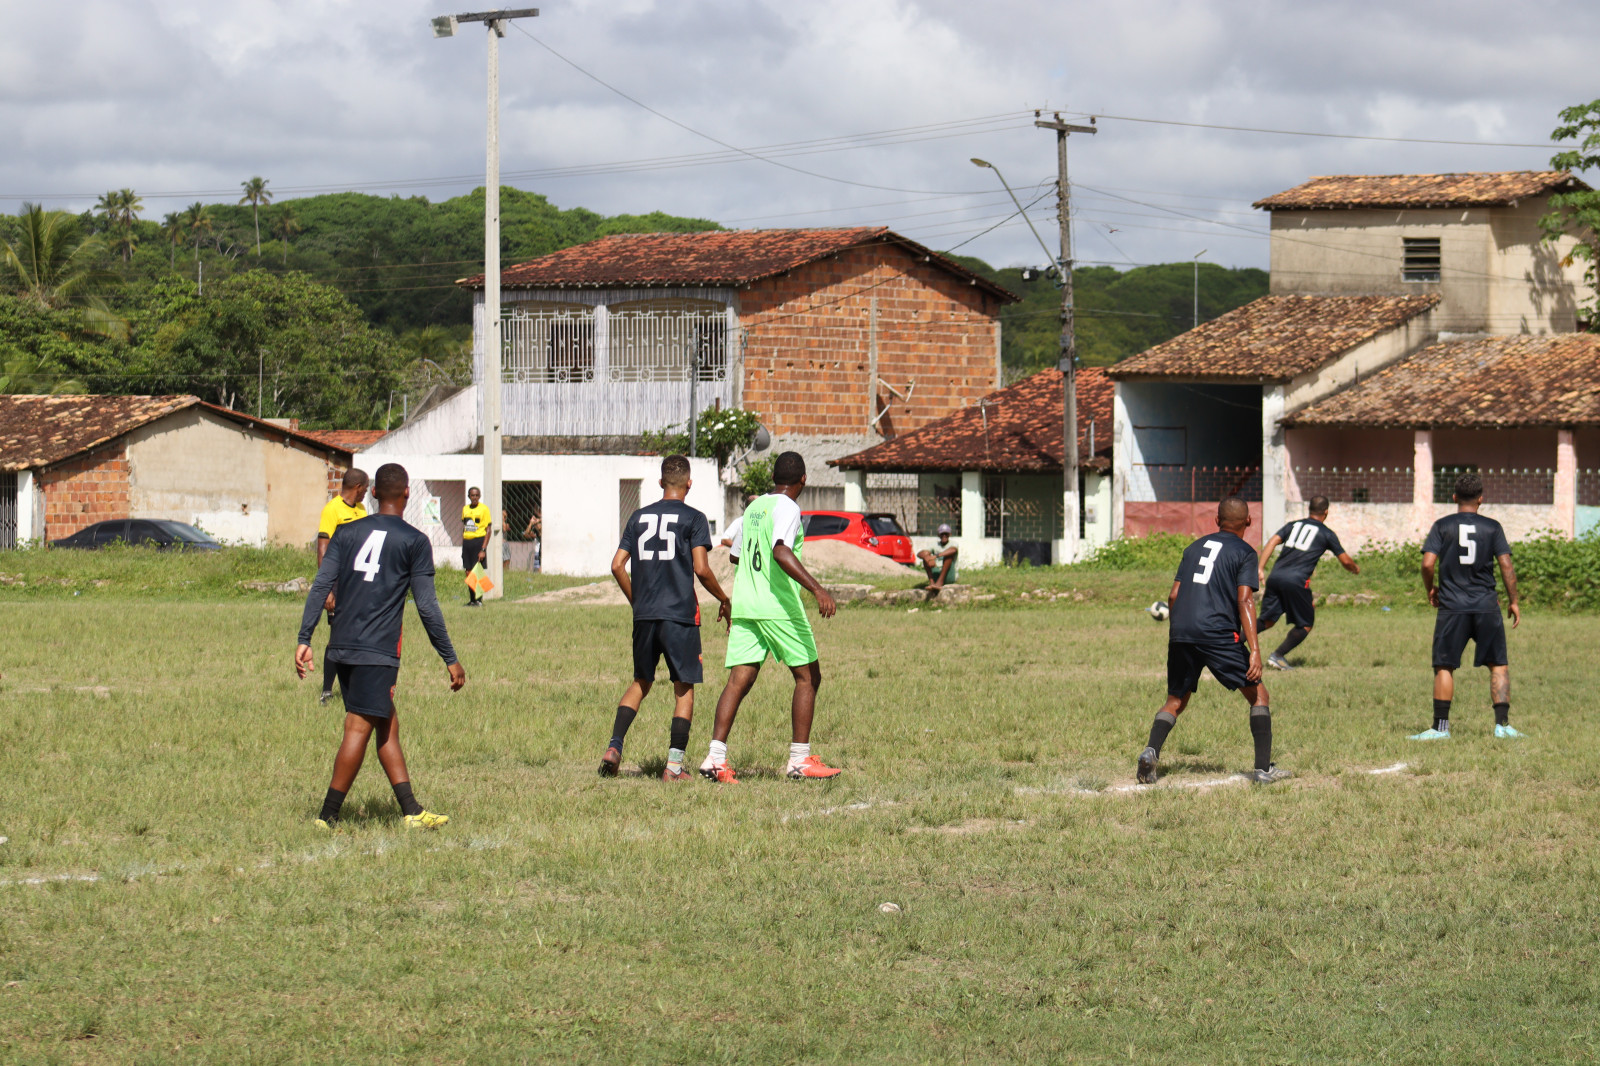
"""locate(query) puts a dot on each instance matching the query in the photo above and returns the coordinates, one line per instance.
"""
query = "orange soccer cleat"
(721, 773)
(811, 766)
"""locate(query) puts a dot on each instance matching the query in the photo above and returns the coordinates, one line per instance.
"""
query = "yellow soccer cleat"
(426, 820)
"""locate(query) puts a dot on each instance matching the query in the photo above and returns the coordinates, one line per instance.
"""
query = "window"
(1421, 261)
(1444, 481)
(824, 525)
(884, 525)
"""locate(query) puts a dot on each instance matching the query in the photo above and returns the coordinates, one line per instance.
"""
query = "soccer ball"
(1158, 610)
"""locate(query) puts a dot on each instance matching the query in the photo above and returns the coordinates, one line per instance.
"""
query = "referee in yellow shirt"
(345, 507)
(475, 526)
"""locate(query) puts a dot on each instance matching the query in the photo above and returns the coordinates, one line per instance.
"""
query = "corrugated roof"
(1012, 430)
(1491, 382)
(1275, 338)
(1487, 189)
(709, 258)
(38, 431)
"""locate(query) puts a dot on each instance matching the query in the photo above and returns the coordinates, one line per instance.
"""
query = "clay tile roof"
(1420, 190)
(1275, 338)
(350, 440)
(1014, 430)
(713, 257)
(1491, 382)
(39, 431)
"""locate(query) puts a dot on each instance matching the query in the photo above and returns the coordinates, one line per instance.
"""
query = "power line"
(1314, 133)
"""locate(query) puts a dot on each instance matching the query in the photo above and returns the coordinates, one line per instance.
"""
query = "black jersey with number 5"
(370, 566)
(1467, 545)
(1209, 576)
(660, 540)
(1304, 541)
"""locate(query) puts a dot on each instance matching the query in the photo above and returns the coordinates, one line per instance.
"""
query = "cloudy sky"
(863, 111)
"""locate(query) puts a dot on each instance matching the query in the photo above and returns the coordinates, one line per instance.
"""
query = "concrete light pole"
(445, 26)
(1196, 261)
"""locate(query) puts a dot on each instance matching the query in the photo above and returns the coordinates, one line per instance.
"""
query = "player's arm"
(1246, 597)
(427, 601)
(1172, 597)
(321, 592)
(322, 549)
(1430, 567)
(619, 571)
(789, 563)
(1348, 563)
(708, 578)
(949, 558)
(1508, 573)
(1266, 553)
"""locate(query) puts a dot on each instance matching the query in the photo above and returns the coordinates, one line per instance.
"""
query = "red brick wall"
(79, 492)
(807, 348)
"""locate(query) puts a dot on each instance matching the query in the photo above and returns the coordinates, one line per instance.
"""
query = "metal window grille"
(1018, 516)
(1356, 484)
(524, 524)
(628, 489)
(1195, 484)
(1421, 259)
(8, 510)
(942, 508)
(1500, 486)
(1444, 481)
(1589, 488)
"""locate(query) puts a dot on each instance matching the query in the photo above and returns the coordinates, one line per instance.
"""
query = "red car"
(879, 533)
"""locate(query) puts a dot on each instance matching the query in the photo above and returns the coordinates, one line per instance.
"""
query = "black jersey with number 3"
(1467, 545)
(1304, 541)
(660, 539)
(1209, 576)
(370, 566)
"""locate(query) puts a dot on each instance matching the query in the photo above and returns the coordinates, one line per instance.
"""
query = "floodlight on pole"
(493, 430)
(1020, 209)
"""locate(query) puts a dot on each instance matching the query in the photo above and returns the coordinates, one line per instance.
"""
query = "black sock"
(1261, 733)
(680, 735)
(1291, 640)
(1441, 715)
(330, 672)
(408, 802)
(331, 805)
(1160, 728)
(619, 728)
(1502, 714)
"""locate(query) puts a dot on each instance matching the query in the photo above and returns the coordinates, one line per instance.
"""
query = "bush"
(1158, 551)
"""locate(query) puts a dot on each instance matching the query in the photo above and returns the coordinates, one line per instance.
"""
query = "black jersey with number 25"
(370, 566)
(1304, 541)
(660, 539)
(1467, 546)
(1209, 576)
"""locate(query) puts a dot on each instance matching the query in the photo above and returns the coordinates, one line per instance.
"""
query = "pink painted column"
(1564, 515)
(1422, 483)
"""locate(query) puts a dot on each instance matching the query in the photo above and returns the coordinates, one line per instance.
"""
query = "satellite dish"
(763, 439)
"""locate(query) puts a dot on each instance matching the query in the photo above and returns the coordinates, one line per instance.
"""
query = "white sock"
(675, 757)
(717, 755)
(798, 753)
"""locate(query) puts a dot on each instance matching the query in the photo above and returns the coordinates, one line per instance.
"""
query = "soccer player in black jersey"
(1213, 611)
(1288, 589)
(1462, 550)
(370, 565)
(669, 544)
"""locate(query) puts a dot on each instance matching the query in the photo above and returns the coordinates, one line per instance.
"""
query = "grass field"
(164, 897)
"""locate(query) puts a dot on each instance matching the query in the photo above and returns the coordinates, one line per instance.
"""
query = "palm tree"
(256, 194)
(120, 208)
(52, 265)
(284, 227)
(23, 374)
(197, 220)
(172, 228)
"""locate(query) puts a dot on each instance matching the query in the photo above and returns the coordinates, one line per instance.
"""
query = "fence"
(1589, 488)
(1356, 484)
(435, 509)
(1509, 486)
(1193, 484)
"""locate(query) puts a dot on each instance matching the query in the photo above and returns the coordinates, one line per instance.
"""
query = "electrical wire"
(1312, 133)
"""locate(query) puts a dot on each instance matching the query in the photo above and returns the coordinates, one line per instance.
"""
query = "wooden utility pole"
(1068, 355)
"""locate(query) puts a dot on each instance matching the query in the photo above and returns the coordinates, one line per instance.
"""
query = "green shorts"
(750, 640)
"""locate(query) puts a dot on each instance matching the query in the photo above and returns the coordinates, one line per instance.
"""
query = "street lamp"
(1197, 256)
(445, 26)
(1049, 256)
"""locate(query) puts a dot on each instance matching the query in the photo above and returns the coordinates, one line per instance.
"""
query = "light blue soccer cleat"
(1430, 734)
(1508, 732)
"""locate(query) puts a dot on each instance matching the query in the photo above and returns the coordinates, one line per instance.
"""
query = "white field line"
(1212, 782)
(845, 809)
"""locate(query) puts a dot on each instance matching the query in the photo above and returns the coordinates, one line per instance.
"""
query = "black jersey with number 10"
(1209, 576)
(1467, 545)
(1304, 541)
(660, 539)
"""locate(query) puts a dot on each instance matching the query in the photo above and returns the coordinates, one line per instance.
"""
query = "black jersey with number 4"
(1209, 576)
(1467, 545)
(370, 566)
(1304, 541)
(660, 539)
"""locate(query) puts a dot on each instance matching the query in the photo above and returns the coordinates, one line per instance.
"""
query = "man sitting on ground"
(941, 563)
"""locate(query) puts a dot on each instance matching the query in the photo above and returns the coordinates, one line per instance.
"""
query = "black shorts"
(470, 550)
(1288, 598)
(368, 690)
(1451, 631)
(678, 641)
(1228, 663)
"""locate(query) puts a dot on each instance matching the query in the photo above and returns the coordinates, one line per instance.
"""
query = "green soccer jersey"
(760, 587)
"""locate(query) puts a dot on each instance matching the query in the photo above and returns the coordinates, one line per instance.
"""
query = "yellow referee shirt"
(336, 513)
(474, 521)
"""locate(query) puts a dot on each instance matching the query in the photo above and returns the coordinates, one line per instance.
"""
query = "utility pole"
(445, 26)
(1196, 261)
(1069, 343)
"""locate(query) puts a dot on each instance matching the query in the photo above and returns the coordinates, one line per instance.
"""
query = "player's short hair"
(1318, 505)
(354, 478)
(1469, 486)
(788, 469)
(391, 481)
(1232, 511)
(675, 470)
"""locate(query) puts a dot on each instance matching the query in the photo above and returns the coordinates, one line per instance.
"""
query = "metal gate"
(8, 511)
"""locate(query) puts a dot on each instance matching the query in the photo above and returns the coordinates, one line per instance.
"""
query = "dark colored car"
(151, 532)
(880, 533)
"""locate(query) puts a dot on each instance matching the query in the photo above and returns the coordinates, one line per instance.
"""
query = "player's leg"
(1500, 696)
(741, 678)
(1489, 633)
(678, 744)
(802, 709)
(346, 764)
(386, 731)
(681, 643)
(1260, 702)
(1183, 675)
(1298, 607)
(646, 654)
(330, 669)
(1450, 632)
(469, 559)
